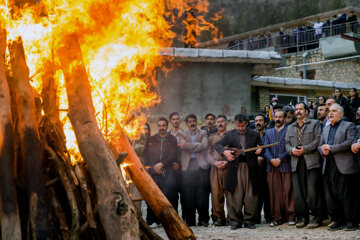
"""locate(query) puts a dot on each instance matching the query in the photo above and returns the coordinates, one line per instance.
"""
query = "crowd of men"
(298, 170)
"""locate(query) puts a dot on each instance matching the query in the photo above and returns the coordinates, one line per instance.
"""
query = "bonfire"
(75, 79)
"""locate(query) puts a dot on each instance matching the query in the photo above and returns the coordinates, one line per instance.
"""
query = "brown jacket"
(200, 149)
(213, 155)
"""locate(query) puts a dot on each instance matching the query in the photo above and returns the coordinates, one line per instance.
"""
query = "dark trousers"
(263, 196)
(167, 184)
(341, 194)
(196, 190)
(306, 184)
(281, 196)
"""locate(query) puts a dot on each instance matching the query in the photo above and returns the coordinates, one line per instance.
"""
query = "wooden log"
(10, 220)
(116, 210)
(29, 141)
(175, 228)
(59, 214)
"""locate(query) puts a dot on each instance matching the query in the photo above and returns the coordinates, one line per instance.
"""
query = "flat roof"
(268, 81)
(220, 55)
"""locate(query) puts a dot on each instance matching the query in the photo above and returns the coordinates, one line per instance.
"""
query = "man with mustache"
(242, 172)
(340, 171)
(279, 174)
(195, 173)
(302, 139)
(210, 127)
(260, 126)
(217, 174)
(160, 153)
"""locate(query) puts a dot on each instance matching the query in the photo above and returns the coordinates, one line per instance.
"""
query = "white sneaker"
(292, 223)
(154, 225)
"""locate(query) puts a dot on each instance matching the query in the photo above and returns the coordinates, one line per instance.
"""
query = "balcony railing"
(296, 41)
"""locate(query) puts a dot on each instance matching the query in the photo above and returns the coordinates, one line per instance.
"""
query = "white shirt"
(318, 28)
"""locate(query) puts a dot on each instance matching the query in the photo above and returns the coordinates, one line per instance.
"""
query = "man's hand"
(325, 149)
(176, 166)
(298, 152)
(228, 155)
(220, 164)
(261, 161)
(258, 151)
(355, 148)
(275, 162)
(158, 168)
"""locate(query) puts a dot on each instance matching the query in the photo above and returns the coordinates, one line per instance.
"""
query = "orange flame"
(120, 42)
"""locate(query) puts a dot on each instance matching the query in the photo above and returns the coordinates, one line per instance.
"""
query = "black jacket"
(232, 140)
(160, 151)
(352, 106)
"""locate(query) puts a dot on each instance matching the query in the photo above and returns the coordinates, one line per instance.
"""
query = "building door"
(286, 99)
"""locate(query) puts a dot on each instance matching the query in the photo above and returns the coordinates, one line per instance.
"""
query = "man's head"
(336, 113)
(162, 124)
(241, 123)
(191, 122)
(260, 122)
(301, 110)
(321, 112)
(289, 114)
(174, 118)
(279, 119)
(221, 123)
(278, 108)
(328, 104)
(210, 120)
(358, 113)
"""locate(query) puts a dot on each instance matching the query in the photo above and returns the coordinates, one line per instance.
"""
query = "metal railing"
(296, 41)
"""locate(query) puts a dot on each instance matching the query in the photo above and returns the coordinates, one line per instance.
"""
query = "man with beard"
(302, 139)
(160, 153)
(218, 174)
(289, 115)
(279, 174)
(260, 126)
(210, 124)
(321, 115)
(195, 173)
(241, 176)
(340, 171)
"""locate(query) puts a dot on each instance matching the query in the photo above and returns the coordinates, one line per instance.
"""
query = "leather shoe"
(314, 224)
(301, 223)
(250, 225)
(235, 226)
(335, 226)
(219, 223)
(351, 227)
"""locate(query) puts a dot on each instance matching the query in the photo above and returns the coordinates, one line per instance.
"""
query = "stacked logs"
(43, 196)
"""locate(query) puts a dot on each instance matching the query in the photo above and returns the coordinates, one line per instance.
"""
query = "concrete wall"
(203, 87)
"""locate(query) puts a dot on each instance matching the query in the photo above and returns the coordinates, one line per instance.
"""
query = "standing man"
(218, 174)
(195, 173)
(176, 131)
(242, 172)
(341, 173)
(302, 139)
(160, 153)
(279, 174)
(260, 126)
(321, 115)
(210, 124)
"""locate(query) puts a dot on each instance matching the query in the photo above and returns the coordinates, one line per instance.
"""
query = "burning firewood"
(10, 221)
(116, 210)
(30, 146)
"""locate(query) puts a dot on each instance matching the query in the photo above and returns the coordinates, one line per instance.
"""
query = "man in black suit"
(242, 170)
(339, 170)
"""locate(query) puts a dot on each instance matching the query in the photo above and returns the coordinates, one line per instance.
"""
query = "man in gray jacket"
(302, 139)
(340, 171)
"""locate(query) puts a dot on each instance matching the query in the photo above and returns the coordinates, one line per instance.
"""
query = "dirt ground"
(263, 231)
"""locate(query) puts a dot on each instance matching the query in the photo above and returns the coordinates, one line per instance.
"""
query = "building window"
(286, 99)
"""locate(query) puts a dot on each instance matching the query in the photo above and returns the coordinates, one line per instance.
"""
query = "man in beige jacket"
(217, 174)
(195, 173)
